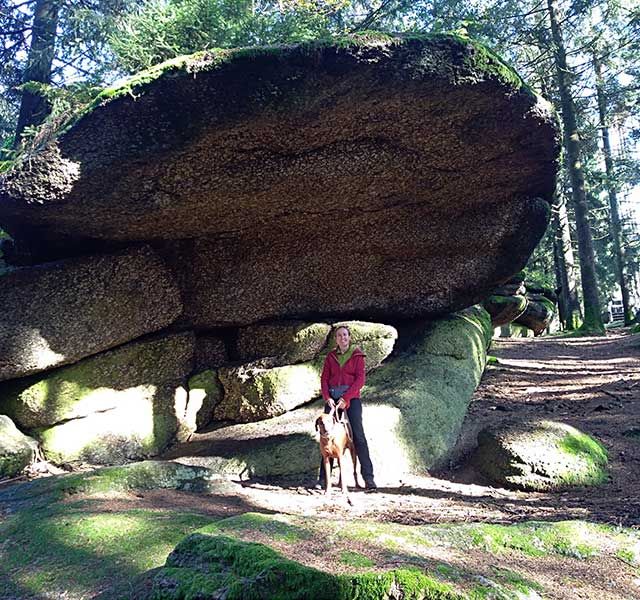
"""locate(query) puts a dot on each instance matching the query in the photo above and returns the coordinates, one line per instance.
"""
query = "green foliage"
(158, 30)
(355, 559)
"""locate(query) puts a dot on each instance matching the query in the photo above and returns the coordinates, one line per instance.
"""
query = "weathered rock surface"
(122, 404)
(277, 153)
(537, 314)
(253, 391)
(17, 450)
(504, 309)
(58, 313)
(542, 456)
(282, 343)
(414, 406)
(211, 352)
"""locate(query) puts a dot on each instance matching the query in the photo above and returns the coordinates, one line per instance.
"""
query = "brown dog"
(335, 438)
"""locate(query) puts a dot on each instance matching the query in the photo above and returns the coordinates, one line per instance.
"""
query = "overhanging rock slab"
(425, 157)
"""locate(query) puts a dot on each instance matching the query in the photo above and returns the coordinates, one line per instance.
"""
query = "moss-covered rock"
(124, 403)
(253, 393)
(431, 381)
(205, 393)
(504, 309)
(58, 313)
(283, 343)
(543, 455)
(215, 566)
(17, 450)
(277, 152)
(537, 314)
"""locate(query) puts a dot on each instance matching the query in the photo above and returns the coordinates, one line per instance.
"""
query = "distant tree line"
(583, 55)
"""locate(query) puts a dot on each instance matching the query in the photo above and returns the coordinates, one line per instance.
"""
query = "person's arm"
(324, 380)
(358, 382)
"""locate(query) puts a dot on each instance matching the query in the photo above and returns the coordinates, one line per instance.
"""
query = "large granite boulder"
(17, 450)
(427, 154)
(122, 404)
(540, 456)
(414, 405)
(60, 312)
(255, 391)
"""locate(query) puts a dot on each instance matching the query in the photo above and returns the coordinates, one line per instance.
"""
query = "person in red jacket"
(341, 381)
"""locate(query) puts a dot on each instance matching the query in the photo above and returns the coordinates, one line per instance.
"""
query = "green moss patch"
(70, 549)
(83, 547)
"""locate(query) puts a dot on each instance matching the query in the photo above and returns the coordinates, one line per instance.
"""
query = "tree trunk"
(592, 312)
(568, 301)
(616, 229)
(33, 107)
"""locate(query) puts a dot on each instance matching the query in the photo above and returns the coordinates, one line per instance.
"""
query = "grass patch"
(355, 559)
(273, 526)
(576, 539)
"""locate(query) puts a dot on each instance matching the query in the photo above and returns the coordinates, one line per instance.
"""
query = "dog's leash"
(343, 419)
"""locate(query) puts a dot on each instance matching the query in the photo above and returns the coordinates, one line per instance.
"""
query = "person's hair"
(343, 327)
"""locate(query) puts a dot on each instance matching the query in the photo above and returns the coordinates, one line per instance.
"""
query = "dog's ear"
(318, 421)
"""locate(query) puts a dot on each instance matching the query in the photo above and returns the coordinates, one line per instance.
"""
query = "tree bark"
(34, 108)
(616, 228)
(568, 300)
(592, 312)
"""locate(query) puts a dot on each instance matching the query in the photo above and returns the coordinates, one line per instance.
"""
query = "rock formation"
(427, 153)
(186, 244)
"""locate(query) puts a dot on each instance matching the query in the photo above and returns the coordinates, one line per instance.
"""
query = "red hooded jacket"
(351, 374)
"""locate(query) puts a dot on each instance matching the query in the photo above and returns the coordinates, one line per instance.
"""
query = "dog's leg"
(343, 479)
(327, 475)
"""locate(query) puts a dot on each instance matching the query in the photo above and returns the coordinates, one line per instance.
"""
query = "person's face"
(343, 338)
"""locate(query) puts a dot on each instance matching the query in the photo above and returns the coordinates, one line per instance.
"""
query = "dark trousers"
(354, 412)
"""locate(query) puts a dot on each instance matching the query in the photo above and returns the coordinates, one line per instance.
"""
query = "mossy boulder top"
(428, 154)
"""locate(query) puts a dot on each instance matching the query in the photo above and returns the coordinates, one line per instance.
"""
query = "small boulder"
(540, 456)
(504, 309)
(252, 393)
(538, 313)
(17, 451)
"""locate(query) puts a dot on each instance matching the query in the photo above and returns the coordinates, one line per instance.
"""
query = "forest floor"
(592, 383)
